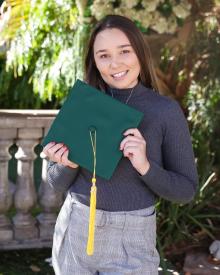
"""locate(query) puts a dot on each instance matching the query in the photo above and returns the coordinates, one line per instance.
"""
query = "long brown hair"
(147, 74)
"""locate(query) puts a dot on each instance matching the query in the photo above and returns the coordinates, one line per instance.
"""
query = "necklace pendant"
(128, 98)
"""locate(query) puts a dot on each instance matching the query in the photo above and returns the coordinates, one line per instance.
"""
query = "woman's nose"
(115, 62)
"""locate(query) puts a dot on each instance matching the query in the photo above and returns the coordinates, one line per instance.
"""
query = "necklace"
(128, 96)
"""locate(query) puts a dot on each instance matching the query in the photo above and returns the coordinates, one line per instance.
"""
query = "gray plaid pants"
(124, 242)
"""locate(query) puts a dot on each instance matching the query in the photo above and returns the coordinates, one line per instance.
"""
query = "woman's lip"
(119, 77)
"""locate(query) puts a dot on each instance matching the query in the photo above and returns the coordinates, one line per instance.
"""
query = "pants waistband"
(137, 218)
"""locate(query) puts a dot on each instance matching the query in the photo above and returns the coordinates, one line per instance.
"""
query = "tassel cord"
(90, 243)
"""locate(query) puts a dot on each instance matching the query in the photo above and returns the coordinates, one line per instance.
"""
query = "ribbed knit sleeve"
(177, 179)
(59, 176)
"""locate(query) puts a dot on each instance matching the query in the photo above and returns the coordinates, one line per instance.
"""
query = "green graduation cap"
(88, 110)
(91, 124)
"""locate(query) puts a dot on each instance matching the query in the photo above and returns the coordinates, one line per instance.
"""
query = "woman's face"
(115, 59)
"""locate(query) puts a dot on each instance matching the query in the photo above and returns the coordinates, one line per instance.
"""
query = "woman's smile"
(120, 75)
(115, 59)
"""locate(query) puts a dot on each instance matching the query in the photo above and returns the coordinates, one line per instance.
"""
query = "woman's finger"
(133, 131)
(132, 143)
(66, 161)
(48, 146)
(64, 157)
(59, 153)
(131, 138)
(130, 150)
(52, 150)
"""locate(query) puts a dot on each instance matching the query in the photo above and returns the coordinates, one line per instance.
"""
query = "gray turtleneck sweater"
(172, 174)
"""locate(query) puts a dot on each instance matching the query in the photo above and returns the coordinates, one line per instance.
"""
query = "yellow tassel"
(91, 237)
(92, 213)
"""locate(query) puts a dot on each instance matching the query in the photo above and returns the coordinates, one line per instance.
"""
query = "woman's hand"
(134, 148)
(58, 152)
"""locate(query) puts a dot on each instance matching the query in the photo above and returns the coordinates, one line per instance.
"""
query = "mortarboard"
(91, 124)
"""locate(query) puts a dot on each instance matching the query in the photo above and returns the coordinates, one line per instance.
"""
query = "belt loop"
(109, 220)
(101, 218)
(125, 222)
(71, 198)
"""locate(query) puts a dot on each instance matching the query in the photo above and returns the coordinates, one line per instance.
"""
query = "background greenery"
(33, 262)
(42, 47)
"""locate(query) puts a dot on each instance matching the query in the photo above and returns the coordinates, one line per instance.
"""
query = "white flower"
(150, 5)
(144, 17)
(101, 8)
(181, 11)
(159, 23)
(149, 16)
(130, 13)
(171, 24)
(128, 4)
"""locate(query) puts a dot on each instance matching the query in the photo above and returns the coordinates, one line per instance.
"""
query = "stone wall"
(19, 228)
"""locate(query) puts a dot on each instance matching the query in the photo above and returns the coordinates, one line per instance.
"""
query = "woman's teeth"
(119, 75)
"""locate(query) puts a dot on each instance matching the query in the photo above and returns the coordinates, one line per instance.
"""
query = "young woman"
(158, 161)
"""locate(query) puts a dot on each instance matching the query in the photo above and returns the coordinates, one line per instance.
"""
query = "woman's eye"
(125, 51)
(103, 56)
